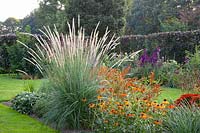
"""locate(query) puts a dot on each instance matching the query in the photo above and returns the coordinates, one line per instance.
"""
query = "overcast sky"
(16, 8)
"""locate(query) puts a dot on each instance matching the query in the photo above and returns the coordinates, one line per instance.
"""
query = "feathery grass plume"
(70, 63)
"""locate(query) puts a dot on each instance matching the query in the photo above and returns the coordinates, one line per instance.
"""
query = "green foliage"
(193, 59)
(158, 15)
(182, 120)
(188, 77)
(50, 13)
(144, 16)
(29, 87)
(24, 102)
(167, 73)
(70, 64)
(4, 59)
(172, 44)
(10, 25)
(173, 24)
(110, 13)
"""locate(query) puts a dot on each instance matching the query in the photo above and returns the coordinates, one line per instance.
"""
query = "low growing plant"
(127, 104)
(24, 102)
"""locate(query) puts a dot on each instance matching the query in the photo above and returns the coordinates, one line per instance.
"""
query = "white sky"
(16, 8)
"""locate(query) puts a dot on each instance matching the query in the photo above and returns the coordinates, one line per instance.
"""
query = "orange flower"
(129, 84)
(145, 116)
(123, 95)
(91, 105)
(84, 100)
(111, 90)
(135, 89)
(120, 107)
(151, 77)
(99, 97)
(126, 102)
(162, 106)
(113, 111)
(130, 115)
(171, 106)
(102, 105)
(157, 122)
(102, 90)
(154, 104)
(165, 101)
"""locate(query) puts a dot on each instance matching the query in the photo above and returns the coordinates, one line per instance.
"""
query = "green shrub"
(172, 44)
(24, 102)
(188, 77)
(168, 73)
(182, 120)
(70, 63)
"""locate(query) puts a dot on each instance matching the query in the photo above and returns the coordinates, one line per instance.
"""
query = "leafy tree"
(50, 13)
(11, 25)
(111, 13)
(162, 15)
(4, 59)
(30, 20)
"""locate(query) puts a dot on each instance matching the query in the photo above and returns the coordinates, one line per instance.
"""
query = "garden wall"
(172, 44)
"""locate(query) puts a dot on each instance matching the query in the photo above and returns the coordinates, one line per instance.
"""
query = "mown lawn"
(170, 94)
(12, 121)
(9, 87)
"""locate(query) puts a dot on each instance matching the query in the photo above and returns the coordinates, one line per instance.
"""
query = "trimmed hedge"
(172, 44)
(8, 38)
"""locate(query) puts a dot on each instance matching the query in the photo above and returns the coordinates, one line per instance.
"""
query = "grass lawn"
(9, 87)
(170, 94)
(14, 122)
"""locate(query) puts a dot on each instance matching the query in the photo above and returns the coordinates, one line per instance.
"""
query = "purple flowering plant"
(152, 59)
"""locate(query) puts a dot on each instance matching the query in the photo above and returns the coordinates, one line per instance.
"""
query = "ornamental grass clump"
(127, 104)
(182, 119)
(70, 63)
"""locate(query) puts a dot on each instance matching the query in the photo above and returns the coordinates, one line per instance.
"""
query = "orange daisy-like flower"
(102, 105)
(120, 106)
(91, 105)
(157, 122)
(171, 106)
(130, 115)
(84, 100)
(165, 101)
(144, 116)
(123, 95)
(102, 90)
(111, 90)
(151, 77)
(99, 97)
(113, 111)
(126, 102)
